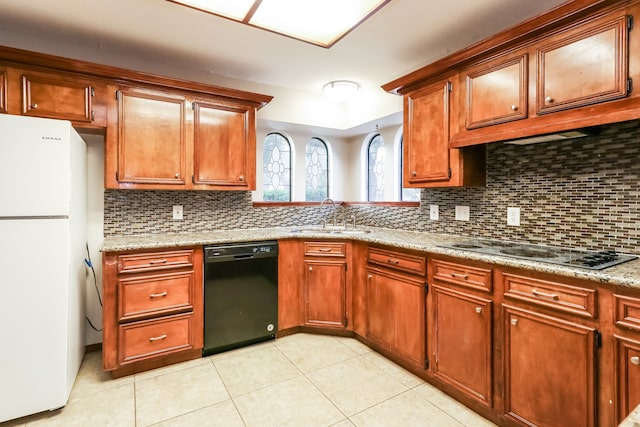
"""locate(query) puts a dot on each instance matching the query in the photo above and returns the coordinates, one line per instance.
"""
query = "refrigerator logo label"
(51, 138)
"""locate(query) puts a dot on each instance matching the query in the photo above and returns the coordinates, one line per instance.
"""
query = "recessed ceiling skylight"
(320, 22)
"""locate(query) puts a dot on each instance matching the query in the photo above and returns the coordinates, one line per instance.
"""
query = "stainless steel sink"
(330, 230)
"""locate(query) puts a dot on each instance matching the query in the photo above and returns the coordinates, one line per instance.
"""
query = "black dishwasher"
(240, 295)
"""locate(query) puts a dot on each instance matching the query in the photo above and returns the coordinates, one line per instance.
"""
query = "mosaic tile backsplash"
(581, 193)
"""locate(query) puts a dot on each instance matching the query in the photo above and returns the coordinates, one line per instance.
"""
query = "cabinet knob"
(478, 310)
(241, 178)
(514, 322)
(177, 175)
(414, 173)
(34, 106)
(514, 107)
(310, 268)
(548, 100)
(635, 360)
(369, 276)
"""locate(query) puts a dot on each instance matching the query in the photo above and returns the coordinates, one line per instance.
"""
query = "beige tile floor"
(300, 380)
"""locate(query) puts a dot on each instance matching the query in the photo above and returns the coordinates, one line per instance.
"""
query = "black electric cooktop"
(592, 260)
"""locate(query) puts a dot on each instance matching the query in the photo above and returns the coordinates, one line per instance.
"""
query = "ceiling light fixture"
(341, 90)
(319, 22)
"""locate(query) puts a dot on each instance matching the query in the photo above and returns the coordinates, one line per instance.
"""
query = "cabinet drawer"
(148, 338)
(463, 275)
(554, 295)
(152, 295)
(398, 261)
(627, 312)
(325, 248)
(154, 261)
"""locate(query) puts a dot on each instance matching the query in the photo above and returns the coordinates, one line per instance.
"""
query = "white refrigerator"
(42, 273)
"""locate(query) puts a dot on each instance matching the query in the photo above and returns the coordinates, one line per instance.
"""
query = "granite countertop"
(626, 274)
(633, 419)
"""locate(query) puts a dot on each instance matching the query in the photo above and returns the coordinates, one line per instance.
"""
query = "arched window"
(406, 194)
(276, 170)
(375, 169)
(316, 169)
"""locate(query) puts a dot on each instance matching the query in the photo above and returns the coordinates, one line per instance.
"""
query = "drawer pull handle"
(478, 310)
(393, 261)
(635, 360)
(325, 249)
(544, 294)
(158, 338)
(460, 276)
(514, 322)
(163, 294)
(158, 261)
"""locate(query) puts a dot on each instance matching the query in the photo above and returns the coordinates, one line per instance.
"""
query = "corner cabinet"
(174, 140)
(325, 284)
(153, 309)
(428, 160)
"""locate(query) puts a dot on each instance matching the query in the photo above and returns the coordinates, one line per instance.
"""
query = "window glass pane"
(406, 194)
(375, 170)
(316, 167)
(276, 171)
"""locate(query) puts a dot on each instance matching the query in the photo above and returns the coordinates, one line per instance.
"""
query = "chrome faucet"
(324, 224)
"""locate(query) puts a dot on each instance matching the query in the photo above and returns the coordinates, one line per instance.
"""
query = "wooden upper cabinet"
(151, 138)
(426, 139)
(496, 92)
(57, 97)
(3, 91)
(583, 66)
(224, 145)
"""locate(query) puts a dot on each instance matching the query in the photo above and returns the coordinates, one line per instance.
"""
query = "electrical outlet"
(462, 213)
(177, 212)
(513, 216)
(434, 212)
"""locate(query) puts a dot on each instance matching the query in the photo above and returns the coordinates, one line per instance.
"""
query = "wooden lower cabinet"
(325, 293)
(549, 369)
(462, 341)
(153, 309)
(396, 303)
(627, 369)
(325, 284)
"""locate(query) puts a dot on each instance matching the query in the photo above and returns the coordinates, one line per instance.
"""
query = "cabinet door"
(57, 97)
(627, 376)
(426, 137)
(584, 66)
(549, 368)
(497, 92)
(462, 342)
(224, 145)
(396, 310)
(3, 90)
(151, 138)
(325, 293)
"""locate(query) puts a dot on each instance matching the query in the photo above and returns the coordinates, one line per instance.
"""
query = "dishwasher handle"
(240, 252)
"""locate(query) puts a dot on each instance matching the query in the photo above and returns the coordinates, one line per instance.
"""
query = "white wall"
(95, 221)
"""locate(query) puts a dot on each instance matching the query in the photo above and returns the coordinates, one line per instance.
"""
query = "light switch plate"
(513, 216)
(434, 212)
(462, 213)
(177, 212)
